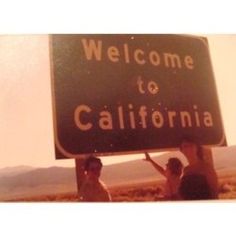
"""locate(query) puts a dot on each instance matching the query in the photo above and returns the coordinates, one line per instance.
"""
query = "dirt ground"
(145, 192)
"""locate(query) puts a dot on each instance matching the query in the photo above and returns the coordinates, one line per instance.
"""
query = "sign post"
(79, 164)
(131, 93)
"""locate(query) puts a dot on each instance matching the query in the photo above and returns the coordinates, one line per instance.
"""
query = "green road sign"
(116, 94)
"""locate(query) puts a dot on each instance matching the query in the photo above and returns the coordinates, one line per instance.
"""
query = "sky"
(26, 131)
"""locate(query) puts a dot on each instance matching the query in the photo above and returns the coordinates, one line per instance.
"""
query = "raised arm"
(159, 168)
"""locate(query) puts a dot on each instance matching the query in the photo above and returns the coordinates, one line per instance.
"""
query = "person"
(199, 179)
(172, 173)
(93, 189)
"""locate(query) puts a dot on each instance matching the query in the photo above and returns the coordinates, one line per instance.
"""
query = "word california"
(130, 117)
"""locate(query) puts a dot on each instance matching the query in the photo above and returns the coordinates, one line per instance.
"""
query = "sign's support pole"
(79, 163)
(208, 156)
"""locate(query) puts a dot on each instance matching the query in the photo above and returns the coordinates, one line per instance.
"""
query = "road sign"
(130, 93)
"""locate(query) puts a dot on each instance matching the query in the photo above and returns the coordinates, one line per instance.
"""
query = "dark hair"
(194, 187)
(91, 159)
(175, 166)
(194, 140)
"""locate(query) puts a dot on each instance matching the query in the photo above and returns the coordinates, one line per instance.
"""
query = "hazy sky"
(26, 133)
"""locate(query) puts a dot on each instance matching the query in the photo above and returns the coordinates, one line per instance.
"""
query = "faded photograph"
(117, 118)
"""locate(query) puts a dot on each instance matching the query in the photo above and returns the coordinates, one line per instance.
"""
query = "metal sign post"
(79, 172)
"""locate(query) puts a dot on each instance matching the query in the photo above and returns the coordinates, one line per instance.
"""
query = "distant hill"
(141, 171)
(40, 176)
(28, 181)
(136, 171)
(38, 182)
(11, 171)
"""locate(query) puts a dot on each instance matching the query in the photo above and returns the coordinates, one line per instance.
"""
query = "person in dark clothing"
(194, 187)
(199, 179)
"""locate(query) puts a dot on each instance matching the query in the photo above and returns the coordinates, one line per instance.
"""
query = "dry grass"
(65, 197)
(145, 192)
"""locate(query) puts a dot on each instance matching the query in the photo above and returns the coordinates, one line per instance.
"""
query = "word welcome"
(95, 50)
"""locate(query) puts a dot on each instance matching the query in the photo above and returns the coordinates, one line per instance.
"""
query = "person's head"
(175, 166)
(191, 148)
(93, 167)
